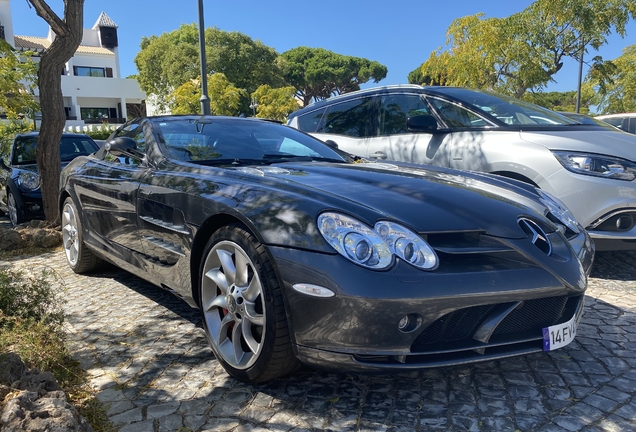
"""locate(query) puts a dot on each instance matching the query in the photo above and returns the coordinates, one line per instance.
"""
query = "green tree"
(167, 61)
(317, 73)
(225, 98)
(562, 101)
(17, 82)
(8, 131)
(525, 50)
(417, 77)
(68, 35)
(275, 103)
(616, 83)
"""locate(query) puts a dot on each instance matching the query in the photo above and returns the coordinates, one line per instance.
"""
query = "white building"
(94, 90)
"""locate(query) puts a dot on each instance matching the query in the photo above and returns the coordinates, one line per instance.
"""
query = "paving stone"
(147, 357)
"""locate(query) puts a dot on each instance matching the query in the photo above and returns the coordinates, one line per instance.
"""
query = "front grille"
(533, 314)
(463, 323)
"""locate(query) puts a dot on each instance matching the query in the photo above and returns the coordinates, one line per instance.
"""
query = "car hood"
(601, 141)
(427, 199)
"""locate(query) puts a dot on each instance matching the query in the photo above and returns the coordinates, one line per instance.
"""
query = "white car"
(591, 168)
(624, 121)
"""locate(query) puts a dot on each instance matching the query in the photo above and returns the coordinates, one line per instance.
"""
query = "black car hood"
(428, 199)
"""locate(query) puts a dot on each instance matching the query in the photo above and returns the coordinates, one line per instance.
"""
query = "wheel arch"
(515, 176)
(203, 234)
(60, 205)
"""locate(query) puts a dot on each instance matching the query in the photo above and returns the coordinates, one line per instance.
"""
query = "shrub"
(28, 298)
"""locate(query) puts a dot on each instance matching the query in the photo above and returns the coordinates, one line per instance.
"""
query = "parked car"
(591, 168)
(625, 121)
(20, 194)
(583, 118)
(295, 253)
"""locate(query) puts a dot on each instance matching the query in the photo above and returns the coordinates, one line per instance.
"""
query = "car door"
(392, 140)
(465, 146)
(109, 203)
(350, 124)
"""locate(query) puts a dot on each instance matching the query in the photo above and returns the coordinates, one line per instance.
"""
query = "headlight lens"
(597, 165)
(28, 180)
(407, 245)
(354, 240)
(375, 248)
(559, 210)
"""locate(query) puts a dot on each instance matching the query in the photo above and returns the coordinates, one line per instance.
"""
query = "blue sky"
(400, 34)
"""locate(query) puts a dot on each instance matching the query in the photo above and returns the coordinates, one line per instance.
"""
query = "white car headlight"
(354, 240)
(375, 248)
(597, 165)
(559, 210)
(28, 180)
(407, 245)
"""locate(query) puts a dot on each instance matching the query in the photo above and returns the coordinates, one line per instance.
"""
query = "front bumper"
(477, 309)
(606, 207)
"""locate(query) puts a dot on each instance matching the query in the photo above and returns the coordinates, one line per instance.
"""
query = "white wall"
(80, 86)
(6, 21)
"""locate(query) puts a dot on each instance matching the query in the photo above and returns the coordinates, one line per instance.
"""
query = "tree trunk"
(68, 37)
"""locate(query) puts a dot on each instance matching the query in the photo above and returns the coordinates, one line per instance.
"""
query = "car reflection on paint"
(296, 253)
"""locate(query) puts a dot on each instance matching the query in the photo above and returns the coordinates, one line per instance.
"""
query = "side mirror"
(331, 143)
(421, 123)
(3, 165)
(123, 146)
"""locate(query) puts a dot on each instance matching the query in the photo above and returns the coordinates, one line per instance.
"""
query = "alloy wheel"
(233, 304)
(69, 234)
(12, 208)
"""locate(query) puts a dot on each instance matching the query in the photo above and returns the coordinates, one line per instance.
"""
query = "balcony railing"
(105, 120)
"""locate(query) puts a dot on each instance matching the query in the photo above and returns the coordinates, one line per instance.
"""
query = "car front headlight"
(597, 165)
(28, 180)
(559, 210)
(375, 248)
(407, 245)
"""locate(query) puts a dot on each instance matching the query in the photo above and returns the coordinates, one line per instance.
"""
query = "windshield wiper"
(283, 157)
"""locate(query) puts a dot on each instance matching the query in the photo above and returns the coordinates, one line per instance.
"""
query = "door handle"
(378, 155)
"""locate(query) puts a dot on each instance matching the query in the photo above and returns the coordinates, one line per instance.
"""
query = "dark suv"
(20, 194)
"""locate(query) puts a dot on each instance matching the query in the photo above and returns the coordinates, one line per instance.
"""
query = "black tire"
(80, 259)
(242, 308)
(16, 216)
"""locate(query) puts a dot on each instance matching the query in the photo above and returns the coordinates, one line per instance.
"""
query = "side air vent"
(536, 234)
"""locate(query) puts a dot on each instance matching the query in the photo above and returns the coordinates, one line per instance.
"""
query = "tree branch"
(43, 10)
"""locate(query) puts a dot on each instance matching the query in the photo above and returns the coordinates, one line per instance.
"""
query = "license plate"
(560, 335)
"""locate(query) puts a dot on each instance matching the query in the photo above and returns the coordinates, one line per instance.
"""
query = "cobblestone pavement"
(149, 360)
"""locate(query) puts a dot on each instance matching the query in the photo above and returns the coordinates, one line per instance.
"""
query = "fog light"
(404, 322)
(624, 223)
(409, 323)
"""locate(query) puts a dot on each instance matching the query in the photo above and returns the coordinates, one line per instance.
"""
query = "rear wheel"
(243, 311)
(78, 256)
(15, 213)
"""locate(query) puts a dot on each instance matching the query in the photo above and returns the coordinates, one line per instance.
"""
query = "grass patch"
(31, 319)
(27, 252)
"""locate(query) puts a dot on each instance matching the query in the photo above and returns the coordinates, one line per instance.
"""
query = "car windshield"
(508, 110)
(24, 149)
(210, 140)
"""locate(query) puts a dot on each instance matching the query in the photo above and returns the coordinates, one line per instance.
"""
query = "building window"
(93, 71)
(94, 113)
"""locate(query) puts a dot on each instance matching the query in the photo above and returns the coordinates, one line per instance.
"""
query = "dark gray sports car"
(297, 253)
